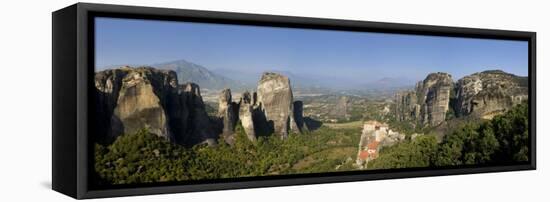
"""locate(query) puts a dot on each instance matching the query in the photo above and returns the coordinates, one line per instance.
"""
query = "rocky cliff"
(299, 116)
(428, 103)
(276, 102)
(489, 93)
(270, 110)
(130, 99)
(196, 126)
(480, 95)
(406, 106)
(434, 95)
(142, 101)
(228, 115)
(107, 87)
(247, 112)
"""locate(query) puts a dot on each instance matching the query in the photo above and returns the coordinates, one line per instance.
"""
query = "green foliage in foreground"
(144, 157)
(504, 139)
(417, 153)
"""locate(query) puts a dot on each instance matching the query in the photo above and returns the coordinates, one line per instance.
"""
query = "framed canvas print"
(154, 100)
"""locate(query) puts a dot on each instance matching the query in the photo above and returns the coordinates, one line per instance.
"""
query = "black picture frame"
(73, 69)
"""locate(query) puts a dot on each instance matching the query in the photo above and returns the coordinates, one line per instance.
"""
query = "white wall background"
(25, 101)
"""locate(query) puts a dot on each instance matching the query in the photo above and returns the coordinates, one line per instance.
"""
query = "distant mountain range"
(191, 72)
(238, 80)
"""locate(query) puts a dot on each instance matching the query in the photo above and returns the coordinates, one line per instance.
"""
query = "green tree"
(416, 153)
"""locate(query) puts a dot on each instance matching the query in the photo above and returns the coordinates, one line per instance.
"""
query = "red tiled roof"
(363, 155)
(373, 145)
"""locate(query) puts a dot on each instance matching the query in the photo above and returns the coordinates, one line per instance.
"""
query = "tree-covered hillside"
(144, 157)
(504, 139)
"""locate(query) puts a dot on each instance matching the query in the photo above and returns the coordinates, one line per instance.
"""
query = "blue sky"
(346, 56)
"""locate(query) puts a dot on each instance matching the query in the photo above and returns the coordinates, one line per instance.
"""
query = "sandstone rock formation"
(299, 116)
(406, 106)
(269, 111)
(197, 125)
(107, 87)
(342, 108)
(480, 95)
(228, 115)
(428, 103)
(276, 102)
(139, 103)
(434, 93)
(130, 99)
(246, 115)
(489, 93)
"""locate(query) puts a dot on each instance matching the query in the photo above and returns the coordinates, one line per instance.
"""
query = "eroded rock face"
(480, 95)
(407, 107)
(131, 99)
(246, 113)
(107, 87)
(299, 117)
(224, 101)
(138, 107)
(428, 103)
(228, 115)
(269, 111)
(434, 95)
(141, 102)
(489, 93)
(276, 102)
(342, 107)
(199, 126)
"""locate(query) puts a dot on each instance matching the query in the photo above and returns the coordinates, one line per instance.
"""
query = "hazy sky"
(342, 55)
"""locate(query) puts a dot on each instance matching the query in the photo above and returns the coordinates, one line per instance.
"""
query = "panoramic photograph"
(187, 102)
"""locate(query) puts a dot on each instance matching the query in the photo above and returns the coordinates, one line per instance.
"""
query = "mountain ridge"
(195, 73)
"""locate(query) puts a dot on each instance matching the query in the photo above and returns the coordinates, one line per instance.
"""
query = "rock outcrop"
(434, 94)
(142, 101)
(428, 103)
(480, 95)
(131, 99)
(276, 102)
(299, 116)
(406, 106)
(489, 93)
(341, 109)
(228, 115)
(197, 125)
(270, 110)
(107, 87)
(247, 110)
